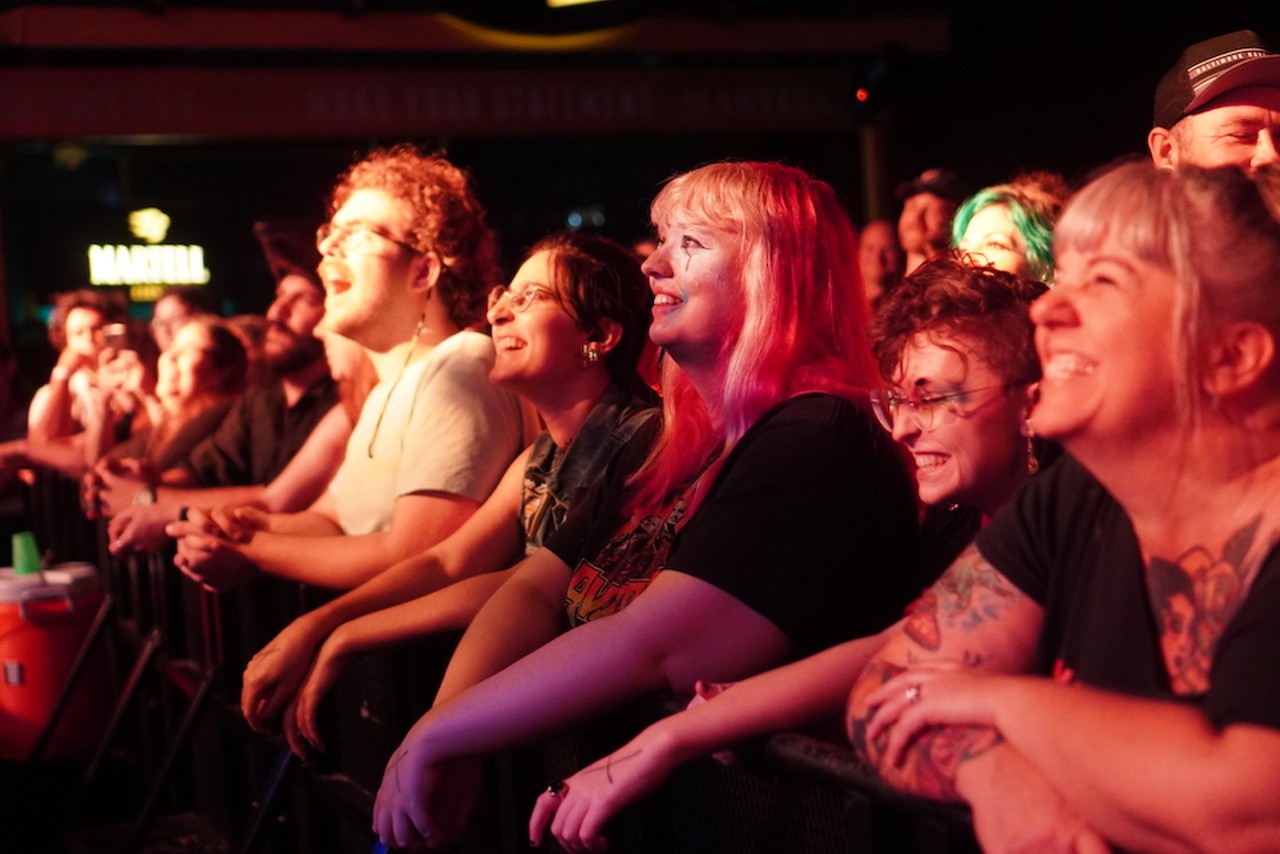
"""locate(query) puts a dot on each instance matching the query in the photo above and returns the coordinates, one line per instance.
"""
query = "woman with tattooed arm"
(1100, 667)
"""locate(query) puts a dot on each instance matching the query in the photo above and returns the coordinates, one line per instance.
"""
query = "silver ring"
(913, 694)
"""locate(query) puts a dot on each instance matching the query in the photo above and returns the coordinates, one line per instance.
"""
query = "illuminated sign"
(149, 266)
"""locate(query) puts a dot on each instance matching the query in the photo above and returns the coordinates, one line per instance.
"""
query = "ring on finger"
(913, 694)
(556, 788)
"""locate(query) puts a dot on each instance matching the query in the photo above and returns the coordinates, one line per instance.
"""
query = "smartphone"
(116, 336)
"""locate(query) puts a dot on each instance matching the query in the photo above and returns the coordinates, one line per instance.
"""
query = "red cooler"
(43, 623)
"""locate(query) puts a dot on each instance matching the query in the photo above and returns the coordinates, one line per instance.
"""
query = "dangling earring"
(590, 355)
(1033, 463)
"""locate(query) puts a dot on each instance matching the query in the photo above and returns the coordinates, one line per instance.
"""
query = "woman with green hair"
(1010, 226)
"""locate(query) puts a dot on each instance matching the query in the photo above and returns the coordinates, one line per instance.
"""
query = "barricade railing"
(789, 793)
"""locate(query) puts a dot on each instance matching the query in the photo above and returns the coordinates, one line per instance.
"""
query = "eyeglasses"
(518, 300)
(888, 405)
(356, 237)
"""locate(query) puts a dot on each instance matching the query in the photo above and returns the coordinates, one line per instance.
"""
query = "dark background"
(1058, 86)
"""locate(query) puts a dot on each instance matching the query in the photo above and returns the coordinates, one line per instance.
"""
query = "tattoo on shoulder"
(968, 594)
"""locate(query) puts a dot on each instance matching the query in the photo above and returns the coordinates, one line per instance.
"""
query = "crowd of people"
(996, 487)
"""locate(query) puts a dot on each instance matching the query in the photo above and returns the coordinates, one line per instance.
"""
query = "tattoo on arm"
(880, 672)
(971, 592)
(969, 595)
(934, 756)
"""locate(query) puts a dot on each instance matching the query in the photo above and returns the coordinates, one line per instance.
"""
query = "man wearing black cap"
(266, 426)
(929, 201)
(1219, 106)
(276, 420)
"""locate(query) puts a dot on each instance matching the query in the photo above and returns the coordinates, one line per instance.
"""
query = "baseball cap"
(943, 183)
(1212, 68)
(290, 249)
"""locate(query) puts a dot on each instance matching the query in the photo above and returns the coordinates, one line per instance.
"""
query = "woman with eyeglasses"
(569, 332)
(956, 349)
(1100, 669)
(764, 522)
(954, 345)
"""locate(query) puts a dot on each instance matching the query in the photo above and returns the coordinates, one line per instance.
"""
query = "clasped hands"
(210, 544)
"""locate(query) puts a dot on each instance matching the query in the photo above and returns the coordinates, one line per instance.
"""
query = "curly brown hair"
(107, 304)
(988, 307)
(447, 220)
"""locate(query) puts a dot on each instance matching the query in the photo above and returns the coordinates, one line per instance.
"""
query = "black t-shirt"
(811, 522)
(260, 435)
(1067, 544)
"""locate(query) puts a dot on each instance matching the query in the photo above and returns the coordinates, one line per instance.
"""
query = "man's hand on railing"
(114, 485)
(140, 528)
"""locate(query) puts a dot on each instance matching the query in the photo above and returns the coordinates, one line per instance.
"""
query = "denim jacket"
(555, 479)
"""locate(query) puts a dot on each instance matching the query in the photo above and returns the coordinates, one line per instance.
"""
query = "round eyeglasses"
(518, 300)
(888, 405)
(355, 237)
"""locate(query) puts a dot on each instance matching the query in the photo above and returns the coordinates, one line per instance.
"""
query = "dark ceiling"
(986, 89)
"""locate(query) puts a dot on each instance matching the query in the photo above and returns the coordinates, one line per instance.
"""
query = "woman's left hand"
(930, 694)
(424, 803)
(577, 809)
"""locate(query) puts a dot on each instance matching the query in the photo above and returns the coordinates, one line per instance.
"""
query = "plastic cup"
(26, 557)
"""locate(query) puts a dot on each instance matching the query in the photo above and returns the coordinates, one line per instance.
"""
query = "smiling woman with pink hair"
(766, 519)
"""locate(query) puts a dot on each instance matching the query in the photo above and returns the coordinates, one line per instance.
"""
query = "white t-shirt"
(444, 428)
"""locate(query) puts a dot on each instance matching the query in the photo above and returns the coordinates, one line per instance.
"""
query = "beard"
(297, 353)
